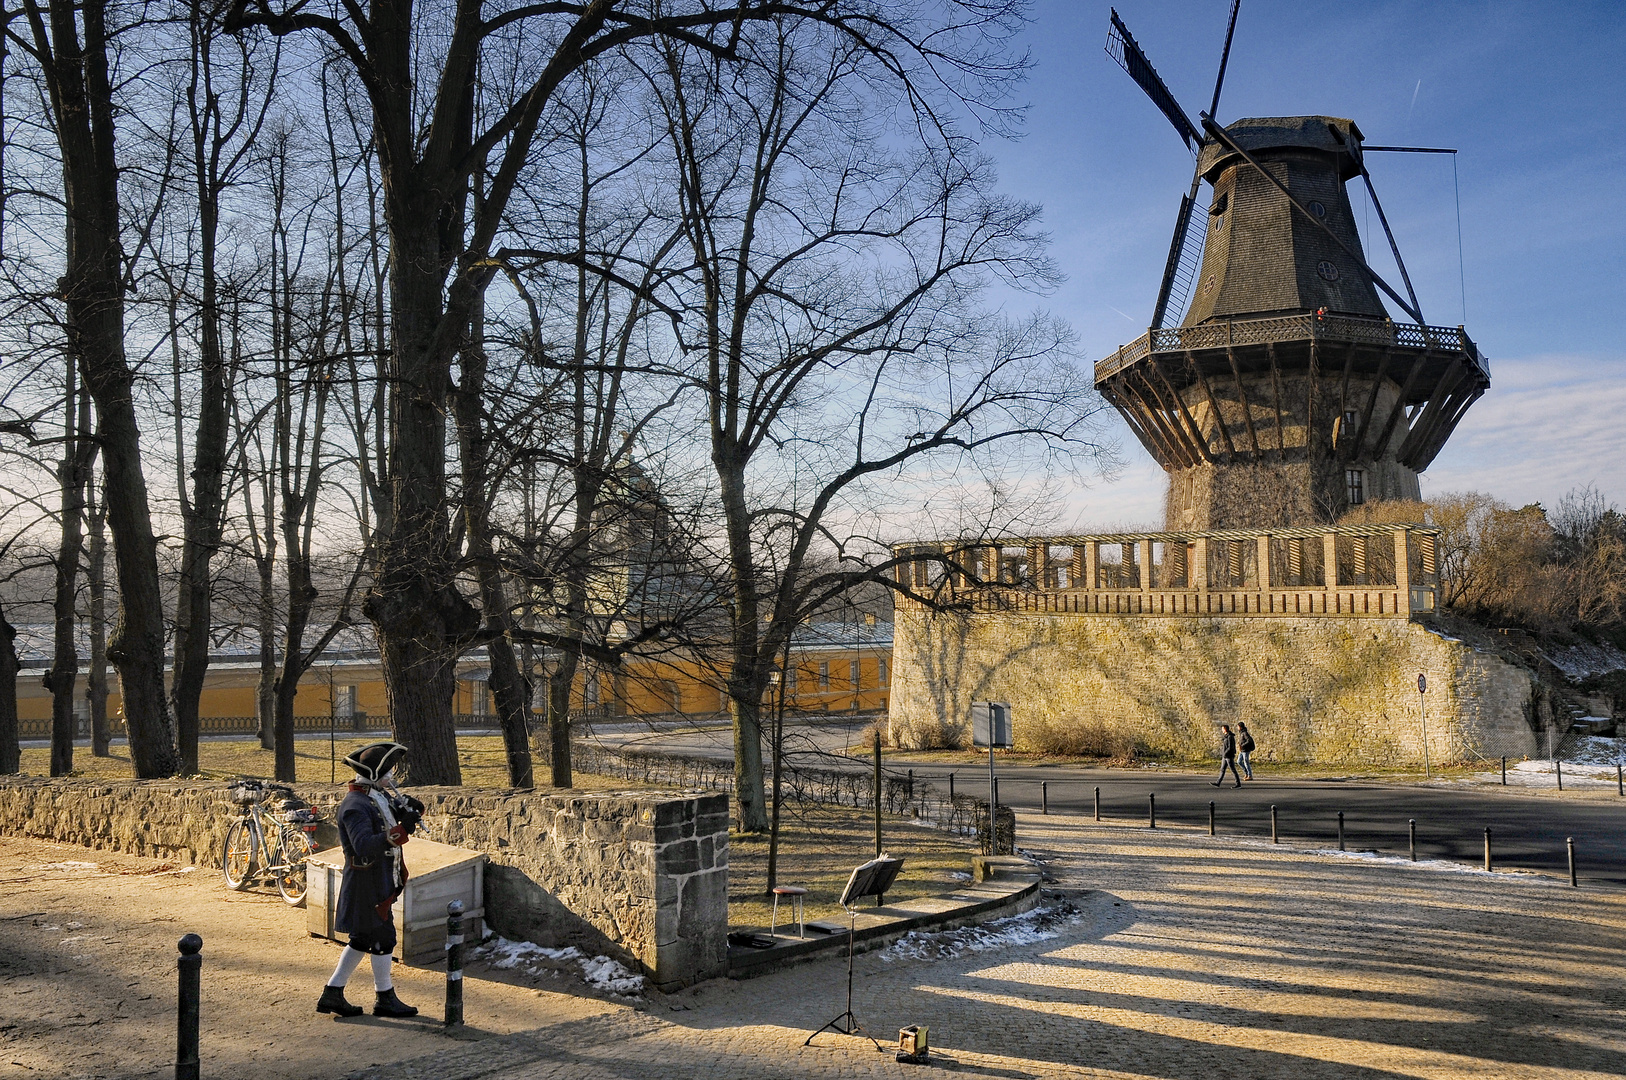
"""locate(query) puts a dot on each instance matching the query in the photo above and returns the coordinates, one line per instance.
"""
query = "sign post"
(1422, 712)
(991, 727)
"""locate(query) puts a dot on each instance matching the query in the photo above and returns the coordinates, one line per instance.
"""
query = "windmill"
(1286, 394)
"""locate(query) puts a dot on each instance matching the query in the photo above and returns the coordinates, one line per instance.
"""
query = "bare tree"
(442, 247)
(73, 473)
(80, 102)
(226, 98)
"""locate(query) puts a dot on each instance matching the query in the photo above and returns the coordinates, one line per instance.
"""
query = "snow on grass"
(1446, 866)
(1046, 921)
(599, 972)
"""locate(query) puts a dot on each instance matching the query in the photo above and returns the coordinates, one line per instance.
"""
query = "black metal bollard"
(996, 791)
(1413, 839)
(1487, 850)
(1151, 810)
(951, 789)
(1275, 838)
(1559, 766)
(454, 963)
(1098, 804)
(190, 965)
(1340, 830)
(1569, 842)
(1210, 817)
(1504, 771)
(1620, 785)
(1044, 797)
(911, 785)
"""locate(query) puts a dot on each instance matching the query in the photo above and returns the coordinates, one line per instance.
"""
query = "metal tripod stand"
(853, 1027)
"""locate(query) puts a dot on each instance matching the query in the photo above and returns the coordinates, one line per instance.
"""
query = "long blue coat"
(364, 839)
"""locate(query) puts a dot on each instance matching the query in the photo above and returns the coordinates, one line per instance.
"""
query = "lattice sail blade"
(1184, 262)
(1121, 47)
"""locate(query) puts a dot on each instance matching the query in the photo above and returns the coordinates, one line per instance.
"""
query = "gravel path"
(1182, 957)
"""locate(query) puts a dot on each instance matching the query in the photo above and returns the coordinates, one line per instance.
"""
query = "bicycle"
(265, 842)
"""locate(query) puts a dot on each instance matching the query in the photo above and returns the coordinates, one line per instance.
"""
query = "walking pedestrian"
(1245, 746)
(1228, 757)
(373, 827)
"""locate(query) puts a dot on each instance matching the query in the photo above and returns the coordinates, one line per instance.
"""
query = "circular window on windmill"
(1208, 286)
(1319, 210)
(1327, 270)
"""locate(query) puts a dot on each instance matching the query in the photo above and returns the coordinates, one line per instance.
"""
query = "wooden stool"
(795, 892)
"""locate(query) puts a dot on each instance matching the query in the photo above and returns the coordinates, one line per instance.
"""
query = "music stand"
(873, 878)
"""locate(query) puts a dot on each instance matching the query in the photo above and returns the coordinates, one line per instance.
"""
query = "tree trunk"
(744, 675)
(96, 577)
(10, 752)
(64, 674)
(507, 692)
(93, 295)
(414, 603)
(265, 696)
(560, 681)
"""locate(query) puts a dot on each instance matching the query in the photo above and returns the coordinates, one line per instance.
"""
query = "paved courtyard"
(1188, 957)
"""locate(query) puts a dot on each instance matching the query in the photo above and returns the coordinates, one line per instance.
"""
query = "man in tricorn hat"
(372, 829)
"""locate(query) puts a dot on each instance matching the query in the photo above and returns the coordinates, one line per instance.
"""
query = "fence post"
(454, 963)
(189, 965)
(951, 789)
(1210, 817)
(1340, 830)
(1275, 838)
(1151, 810)
(1413, 828)
(996, 791)
(1569, 842)
(1504, 770)
(1044, 797)
(1559, 766)
(1620, 786)
(1487, 850)
(1098, 804)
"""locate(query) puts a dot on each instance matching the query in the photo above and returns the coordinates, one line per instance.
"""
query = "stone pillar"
(1145, 566)
(1264, 563)
(1038, 565)
(1329, 560)
(1403, 571)
(1092, 565)
(1197, 574)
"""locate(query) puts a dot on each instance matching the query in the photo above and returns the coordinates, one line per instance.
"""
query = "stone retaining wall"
(643, 876)
(1311, 689)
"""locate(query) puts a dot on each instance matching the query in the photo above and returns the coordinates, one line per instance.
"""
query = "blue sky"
(1533, 96)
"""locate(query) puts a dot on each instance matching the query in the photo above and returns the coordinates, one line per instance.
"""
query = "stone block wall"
(642, 876)
(1327, 689)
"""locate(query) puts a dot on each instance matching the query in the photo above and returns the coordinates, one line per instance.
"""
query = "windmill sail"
(1185, 260)
(1121, 47)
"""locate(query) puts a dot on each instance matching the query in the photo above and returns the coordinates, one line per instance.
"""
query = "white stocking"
(348, 960)
(381, 973)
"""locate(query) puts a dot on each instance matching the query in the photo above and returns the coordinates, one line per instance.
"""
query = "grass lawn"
(818, 848)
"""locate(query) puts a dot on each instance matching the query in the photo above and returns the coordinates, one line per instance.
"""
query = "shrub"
(1073, 737)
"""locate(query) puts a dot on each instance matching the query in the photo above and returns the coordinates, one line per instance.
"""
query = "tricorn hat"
(373, 761)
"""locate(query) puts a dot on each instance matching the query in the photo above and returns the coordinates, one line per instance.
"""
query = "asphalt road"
(1528, 829)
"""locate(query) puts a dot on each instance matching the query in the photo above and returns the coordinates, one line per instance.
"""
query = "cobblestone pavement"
(1190, 957)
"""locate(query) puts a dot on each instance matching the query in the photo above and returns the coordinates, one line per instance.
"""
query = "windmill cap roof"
(1260, 135)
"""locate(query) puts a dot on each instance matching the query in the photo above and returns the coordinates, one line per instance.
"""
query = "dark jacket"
(1228, 750)
(1248, 744)
(368, 877)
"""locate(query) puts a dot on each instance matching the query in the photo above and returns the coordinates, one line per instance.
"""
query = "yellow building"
(835, 667)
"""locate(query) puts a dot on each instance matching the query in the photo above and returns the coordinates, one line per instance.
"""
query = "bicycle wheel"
(237, 856)
(296, 848)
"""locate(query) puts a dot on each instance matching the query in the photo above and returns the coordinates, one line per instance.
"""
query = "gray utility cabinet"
(437, 874)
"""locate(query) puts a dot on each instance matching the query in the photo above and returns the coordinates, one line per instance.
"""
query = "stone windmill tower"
(1287, 394)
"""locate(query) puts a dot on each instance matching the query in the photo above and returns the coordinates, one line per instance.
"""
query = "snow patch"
(599, 972)
(68, 867)
(1041, 924)
(1440, 865)
(1581, 660)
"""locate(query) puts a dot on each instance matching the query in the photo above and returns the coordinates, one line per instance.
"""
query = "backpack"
(1247, 742)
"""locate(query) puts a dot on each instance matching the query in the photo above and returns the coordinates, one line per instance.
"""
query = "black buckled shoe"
(388, 1004)
(333, 1002)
